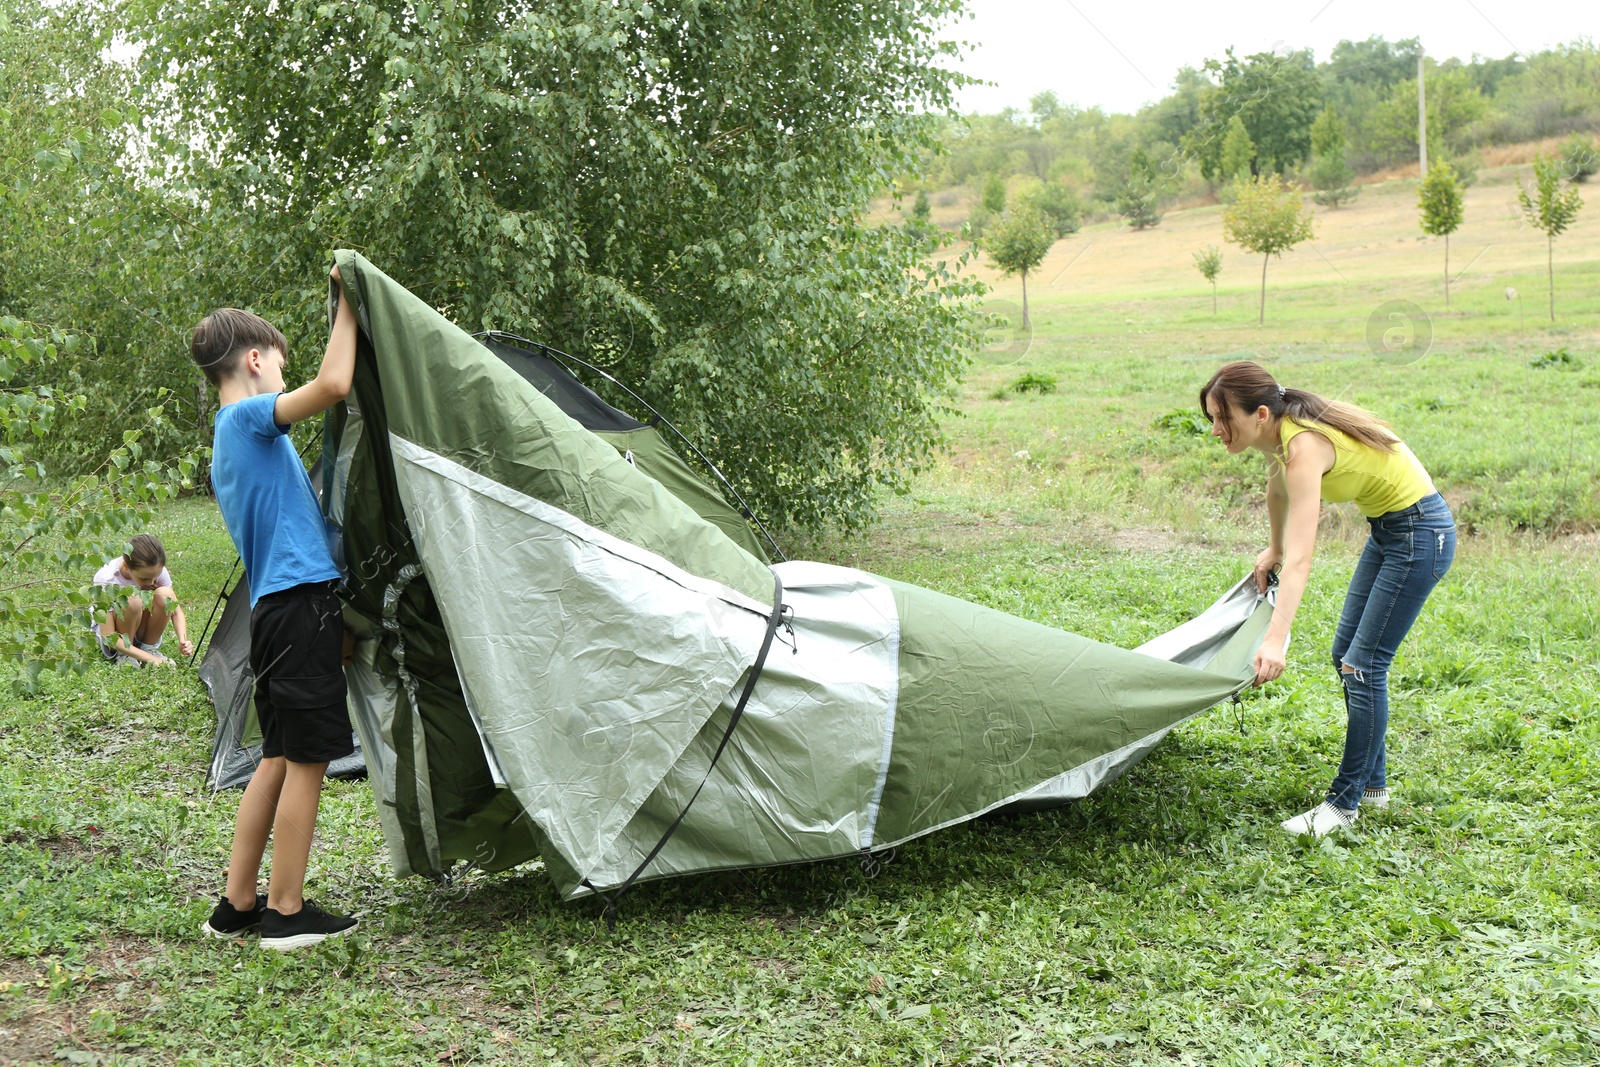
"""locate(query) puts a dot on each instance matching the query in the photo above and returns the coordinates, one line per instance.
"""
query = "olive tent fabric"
(639, 443)
(647, 450)
(554, 643)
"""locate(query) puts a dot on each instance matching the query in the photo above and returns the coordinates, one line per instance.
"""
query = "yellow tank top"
(1379, 482)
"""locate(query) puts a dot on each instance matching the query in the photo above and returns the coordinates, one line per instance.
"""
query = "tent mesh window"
(566, 392)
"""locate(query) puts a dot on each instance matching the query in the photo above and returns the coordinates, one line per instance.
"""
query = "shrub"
(1034, 383)
(1579, 158)
(1560, 358)
(1184, 423)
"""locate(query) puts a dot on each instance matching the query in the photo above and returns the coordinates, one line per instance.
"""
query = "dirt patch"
(64, 848)
(930, 531)
(1515, 154)
(1147, 539)
(44, 1004)
(30, 1031)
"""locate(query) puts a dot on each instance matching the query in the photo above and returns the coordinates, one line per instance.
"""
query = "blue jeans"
(1406, 555)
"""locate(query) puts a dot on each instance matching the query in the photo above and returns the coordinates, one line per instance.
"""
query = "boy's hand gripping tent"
(560, 644)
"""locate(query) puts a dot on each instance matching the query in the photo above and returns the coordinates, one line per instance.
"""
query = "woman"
(1318, 448)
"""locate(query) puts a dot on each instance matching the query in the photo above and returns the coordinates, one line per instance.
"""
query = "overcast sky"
(1120, 54)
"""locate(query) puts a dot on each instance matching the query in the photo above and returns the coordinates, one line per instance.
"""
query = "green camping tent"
(557, 644)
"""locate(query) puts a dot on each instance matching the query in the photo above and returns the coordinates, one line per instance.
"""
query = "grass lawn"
(1165, 920)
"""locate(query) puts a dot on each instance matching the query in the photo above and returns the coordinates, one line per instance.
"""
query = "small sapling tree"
(1018, 244)
(1208, 261)
(1268, 218)
(1440, 198)
(1551, 209)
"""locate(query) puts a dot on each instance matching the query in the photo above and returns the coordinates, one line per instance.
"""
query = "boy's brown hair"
(225, 335)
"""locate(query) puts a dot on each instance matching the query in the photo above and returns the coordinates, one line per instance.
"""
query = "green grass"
(1164, 920)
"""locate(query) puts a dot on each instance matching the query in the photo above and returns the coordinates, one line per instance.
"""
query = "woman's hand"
(186, 647)
(1269, 560)
(1270, 661)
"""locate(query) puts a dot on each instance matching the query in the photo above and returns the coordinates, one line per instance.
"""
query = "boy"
(296, 630)
(133, 635)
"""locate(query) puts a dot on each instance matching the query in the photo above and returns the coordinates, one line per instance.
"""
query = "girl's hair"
(144, 550)
(1244, 387)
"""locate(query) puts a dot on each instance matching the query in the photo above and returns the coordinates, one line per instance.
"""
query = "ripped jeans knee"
(1364, 674)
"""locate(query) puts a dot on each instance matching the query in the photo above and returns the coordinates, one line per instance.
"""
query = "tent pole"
(222, 594)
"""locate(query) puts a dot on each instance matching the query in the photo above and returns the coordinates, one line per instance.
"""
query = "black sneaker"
(305, 927)
(229, 922)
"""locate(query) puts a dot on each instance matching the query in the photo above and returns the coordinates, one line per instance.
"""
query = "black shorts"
(296, 652)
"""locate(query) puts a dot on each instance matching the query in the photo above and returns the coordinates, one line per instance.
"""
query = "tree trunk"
(1447, 272)
(1213, 299)
(1025, 323)
(1550, 267)
(1261, 317)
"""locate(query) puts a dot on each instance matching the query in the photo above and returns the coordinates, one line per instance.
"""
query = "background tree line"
(1243, 116)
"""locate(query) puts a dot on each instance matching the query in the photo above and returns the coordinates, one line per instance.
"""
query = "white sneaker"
(1320, 820)
(1376, 798)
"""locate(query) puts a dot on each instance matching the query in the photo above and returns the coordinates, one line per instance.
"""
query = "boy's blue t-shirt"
(267, 500)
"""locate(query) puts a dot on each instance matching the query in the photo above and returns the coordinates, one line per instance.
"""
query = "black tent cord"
(222, 594)
(657, 419)
(773, 621)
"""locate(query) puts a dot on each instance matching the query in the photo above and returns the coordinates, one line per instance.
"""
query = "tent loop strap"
(786, 624)
(779, 609)
(391, 622)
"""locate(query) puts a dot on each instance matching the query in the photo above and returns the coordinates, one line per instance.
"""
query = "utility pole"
(1422, 120)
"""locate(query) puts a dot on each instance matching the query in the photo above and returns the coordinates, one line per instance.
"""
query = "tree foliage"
(1275, 97)
(1208, 261)
(1550, 209)
(1268, 218)
(1058, 205)
(96, 241)
(1480, 101)
(1238, 152)
(1019, 243)
(1138, 198)
(1454, 103)
(921, 210)
(1441, 200)
(1328, 133)
(994, 194)
(671, 192)
(1579, 159)
(1331, 176)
